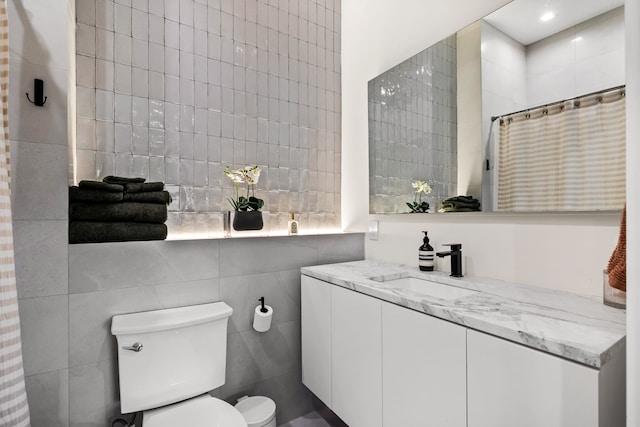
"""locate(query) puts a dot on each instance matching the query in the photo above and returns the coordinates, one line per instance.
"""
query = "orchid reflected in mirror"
(421, 187)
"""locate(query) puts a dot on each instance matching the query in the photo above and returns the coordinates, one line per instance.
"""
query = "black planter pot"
(247, 220)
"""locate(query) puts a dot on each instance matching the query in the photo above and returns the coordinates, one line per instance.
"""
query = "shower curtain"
(14, 408)
(566, 157)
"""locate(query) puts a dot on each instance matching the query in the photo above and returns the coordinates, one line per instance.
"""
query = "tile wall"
(504, 89)
(412, 129)
(114, 278)
(39, 49)
(582, 59)
(174, 90)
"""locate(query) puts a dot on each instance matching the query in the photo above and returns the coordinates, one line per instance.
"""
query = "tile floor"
(312, 419)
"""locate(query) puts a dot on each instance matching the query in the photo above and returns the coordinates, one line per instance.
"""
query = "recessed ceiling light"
(577, 39)
(547, 16)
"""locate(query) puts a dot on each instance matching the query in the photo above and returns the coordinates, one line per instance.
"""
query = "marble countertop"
(576, 327)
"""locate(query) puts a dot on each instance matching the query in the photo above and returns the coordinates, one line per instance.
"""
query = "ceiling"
(520, 19)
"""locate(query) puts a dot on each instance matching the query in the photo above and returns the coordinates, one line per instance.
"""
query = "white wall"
(559, 251)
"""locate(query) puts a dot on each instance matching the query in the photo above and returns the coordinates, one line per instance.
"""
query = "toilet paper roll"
(262, 321)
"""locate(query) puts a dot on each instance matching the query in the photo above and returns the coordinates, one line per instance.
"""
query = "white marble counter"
(577, 327)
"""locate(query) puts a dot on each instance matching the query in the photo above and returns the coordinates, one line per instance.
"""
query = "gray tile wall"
(412, 129)
(39, 49)
(174, 90)
(114, 278)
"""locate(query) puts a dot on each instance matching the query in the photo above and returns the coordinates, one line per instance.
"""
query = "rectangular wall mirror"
(522, 111)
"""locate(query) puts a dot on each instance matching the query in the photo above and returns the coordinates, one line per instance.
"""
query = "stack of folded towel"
(460, 204)
(117, 209)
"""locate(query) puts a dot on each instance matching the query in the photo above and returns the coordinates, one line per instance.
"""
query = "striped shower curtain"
(565, 157)
(14, 409)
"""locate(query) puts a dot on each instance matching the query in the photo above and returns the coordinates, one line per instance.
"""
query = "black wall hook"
(38, 93)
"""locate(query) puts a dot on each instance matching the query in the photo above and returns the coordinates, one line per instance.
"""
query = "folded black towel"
(101, 186)
(462, 199)
(455, 209)
(89, 195)
(118, 212)
(159, 197)
(139, 187)
(460, 204)
(96, 232)
(446, 204)
(122, 180)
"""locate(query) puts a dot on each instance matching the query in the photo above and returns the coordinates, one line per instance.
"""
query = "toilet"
(169, 359)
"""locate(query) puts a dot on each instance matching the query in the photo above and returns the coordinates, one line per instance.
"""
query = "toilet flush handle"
(137, 347)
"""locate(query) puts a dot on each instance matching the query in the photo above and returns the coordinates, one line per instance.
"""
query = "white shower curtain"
(566, 157)
(14, 409)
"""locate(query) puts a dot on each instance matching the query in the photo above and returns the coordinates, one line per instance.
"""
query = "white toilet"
(169, 359)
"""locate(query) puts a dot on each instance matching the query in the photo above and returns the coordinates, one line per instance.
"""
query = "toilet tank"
(182, 352)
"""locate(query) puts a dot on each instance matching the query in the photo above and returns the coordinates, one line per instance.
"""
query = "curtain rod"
(494, 118)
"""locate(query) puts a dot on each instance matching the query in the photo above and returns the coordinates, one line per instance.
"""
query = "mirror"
(430, 116)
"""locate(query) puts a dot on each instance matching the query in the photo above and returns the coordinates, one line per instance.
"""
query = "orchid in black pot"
(247, 207)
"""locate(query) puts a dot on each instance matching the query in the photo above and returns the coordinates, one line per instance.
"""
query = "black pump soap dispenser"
(425, 255)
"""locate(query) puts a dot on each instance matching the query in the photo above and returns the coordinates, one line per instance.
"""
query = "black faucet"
(456, 258)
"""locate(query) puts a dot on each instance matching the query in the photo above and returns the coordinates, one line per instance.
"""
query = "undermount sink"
(429, 288)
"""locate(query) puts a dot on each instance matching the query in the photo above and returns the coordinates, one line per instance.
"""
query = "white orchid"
(251, 174)
(421, 187)
(235, 175)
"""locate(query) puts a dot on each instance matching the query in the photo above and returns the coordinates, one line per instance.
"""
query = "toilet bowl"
(258, 411)
(169, 359)
(203, 411)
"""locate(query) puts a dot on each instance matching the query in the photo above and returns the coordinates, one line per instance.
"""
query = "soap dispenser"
(425, 255)
(293, 225)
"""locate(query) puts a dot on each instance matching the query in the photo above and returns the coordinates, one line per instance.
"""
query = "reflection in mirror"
(412, 129)
(510, 61)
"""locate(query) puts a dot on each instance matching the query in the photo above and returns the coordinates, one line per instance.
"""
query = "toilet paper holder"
(262, 309)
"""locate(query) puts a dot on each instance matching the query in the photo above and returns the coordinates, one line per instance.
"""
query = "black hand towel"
(90, 195)
(101, 186)
(118, 212)
(122, 180)
(159, 197)
(140, 187)
(97, 232)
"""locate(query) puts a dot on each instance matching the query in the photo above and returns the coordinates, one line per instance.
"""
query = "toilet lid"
(203, 411)
(257, 410)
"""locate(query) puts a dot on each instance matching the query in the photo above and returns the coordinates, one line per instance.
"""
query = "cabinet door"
(316, 337)
(512, 385)
(356, 358)
(423, 370)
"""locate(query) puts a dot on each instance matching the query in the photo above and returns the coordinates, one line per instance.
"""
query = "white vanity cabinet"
(352, 344)
(512, 385)
(316, 337)
(378, 364)
(423, 370)
(341, 351)
(356, 358)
